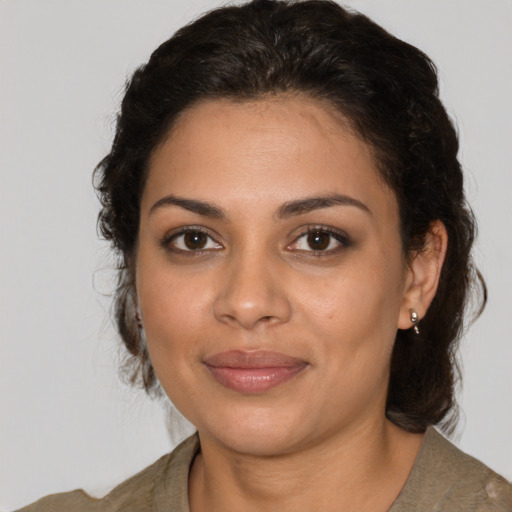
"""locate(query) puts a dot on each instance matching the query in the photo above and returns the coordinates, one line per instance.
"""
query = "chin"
(257, 442)
(261, 432)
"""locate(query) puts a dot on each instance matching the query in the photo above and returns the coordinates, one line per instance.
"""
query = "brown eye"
(321, 241)
(318, 240)
(191, 240)
(195, 240)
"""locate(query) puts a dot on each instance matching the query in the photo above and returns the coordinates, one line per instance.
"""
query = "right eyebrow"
(192, 205)
(309, 204)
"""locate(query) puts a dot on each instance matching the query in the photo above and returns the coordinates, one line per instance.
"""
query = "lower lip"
(254, 380)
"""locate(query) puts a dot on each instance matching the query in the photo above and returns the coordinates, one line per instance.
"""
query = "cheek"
(173, 312)
(171, 302)
(354, 320)
(361, 297)
(171, 305)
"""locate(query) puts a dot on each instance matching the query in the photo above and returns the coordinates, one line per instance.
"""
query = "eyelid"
(167, 239)
(341, 236)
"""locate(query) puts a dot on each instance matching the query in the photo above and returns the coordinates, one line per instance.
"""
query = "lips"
(253, 372)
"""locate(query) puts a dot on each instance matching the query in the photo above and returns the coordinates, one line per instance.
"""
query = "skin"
(321, 439)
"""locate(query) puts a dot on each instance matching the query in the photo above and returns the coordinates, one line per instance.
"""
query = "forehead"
(281, 148)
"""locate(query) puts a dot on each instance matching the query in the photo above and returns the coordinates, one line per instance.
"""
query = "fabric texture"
(443, 479)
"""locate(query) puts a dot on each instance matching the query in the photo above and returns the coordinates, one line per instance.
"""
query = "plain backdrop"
(67, 421)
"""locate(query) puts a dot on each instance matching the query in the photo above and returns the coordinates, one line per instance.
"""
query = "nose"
(252, 293)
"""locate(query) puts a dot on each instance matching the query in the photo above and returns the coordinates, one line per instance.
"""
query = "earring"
(414, 319)
(140, 326)
(138, 319)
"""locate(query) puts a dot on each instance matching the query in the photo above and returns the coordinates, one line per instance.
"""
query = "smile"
(253, 372)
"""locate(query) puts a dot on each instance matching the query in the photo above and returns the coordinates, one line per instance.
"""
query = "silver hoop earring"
(414, 319)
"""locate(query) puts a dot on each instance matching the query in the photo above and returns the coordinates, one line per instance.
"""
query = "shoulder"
(445, 479)
(163, 481)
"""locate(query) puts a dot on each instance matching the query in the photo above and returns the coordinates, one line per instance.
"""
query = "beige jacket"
(443, 479)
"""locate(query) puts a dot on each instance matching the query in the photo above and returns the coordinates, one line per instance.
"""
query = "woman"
(284, 193)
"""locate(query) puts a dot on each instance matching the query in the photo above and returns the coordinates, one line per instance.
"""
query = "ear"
(423, 275)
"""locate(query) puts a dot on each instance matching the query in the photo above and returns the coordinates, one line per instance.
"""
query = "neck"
(363, 469)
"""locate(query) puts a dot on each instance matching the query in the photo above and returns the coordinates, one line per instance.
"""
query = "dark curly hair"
(388, 92)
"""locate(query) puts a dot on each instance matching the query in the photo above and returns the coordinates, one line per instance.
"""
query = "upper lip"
(252, 359)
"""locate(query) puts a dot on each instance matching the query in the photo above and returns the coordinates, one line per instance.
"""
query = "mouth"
(253, 372)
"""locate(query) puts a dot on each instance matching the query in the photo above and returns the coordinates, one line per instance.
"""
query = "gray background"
(66, 420)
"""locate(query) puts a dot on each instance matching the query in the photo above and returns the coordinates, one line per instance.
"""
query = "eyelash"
(167, 241)
(341, 237)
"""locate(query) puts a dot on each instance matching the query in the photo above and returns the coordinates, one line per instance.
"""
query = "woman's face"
(270, 274)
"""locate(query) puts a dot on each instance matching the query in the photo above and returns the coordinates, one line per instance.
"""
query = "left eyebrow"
(309, 204)
(192, 205)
